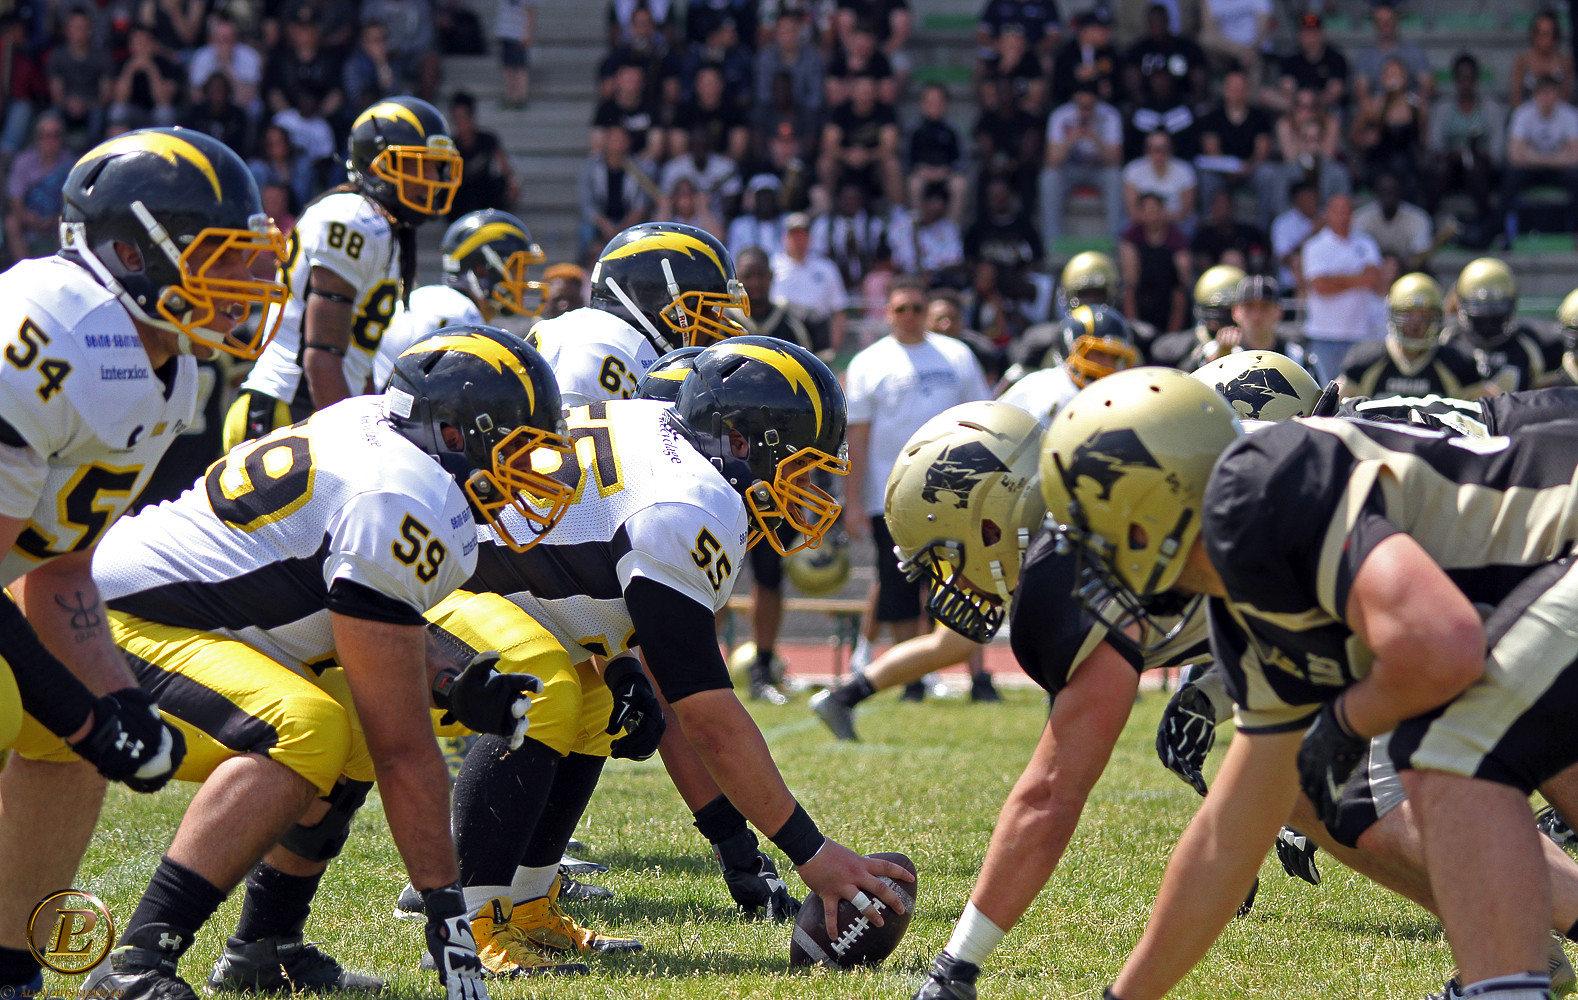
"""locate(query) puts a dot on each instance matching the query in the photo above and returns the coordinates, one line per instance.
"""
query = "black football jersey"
(1375, 368)
(1527, 360)
(1292, 511)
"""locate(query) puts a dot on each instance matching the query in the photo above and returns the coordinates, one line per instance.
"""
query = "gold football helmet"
(1089, 279)
(1215, 294)
(1413, 312)
(1487, 295)
(1262, 385)
(1567, 316)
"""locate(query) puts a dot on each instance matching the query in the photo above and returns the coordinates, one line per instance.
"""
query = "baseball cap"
(1257, 288)
(797, 220)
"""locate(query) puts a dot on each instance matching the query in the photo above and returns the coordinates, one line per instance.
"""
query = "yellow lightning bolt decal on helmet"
(389, 109)
(487, 234)
(494, 353)
(161, 144)
(786, 364)
(680, 242)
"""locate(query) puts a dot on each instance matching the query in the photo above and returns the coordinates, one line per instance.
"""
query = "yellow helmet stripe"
(389, 109)
(487, 234)
(172, 148)
(788, 366)
(494, 353)
(671, 374)
(682, 242)
(1087, 318)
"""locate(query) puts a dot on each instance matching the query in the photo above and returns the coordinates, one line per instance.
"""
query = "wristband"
(799, 838)
(444, 902)
(338, 352)
(442, 685)
(1339, 712)
(619, 668)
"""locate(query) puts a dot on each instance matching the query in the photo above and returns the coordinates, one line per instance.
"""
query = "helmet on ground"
(1095, 342)
(820, 571)
(663, 379)
(962, 503)
(1487, 296)
(1089, 278)
(673, 281)
(500, 396)
(1215, 294)
(1124, 467)
(1567, 316)
(788, 411)
(1262, 385)
(190, 209)
(393, 144)
(1413, 312)
(486, 254)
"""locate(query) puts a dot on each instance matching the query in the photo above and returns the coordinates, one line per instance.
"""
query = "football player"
(1345, 593)
(1510, 354)
(486, 255)
(1567, 316)
(1257, 309)
(1088, 279)
(276, 611)
(1093, 341)
(658, 286)
(1214, 296)
(351, 262)
(1411, 361)
(159, 232)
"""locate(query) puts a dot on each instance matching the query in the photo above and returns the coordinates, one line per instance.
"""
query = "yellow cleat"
(552, 930)
(504, 949)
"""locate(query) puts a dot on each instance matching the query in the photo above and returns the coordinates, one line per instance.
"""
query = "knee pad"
(325, 840)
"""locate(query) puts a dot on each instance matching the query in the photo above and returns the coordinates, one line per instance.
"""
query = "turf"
(928, 781)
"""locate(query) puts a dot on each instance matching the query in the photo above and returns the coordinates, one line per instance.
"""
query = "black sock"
(854, 691)
(573, 786)
(719, 820)
(178, 897)
(275, 903)
(763, 671)
(499, 797)
(1572, 933)
(17, 967)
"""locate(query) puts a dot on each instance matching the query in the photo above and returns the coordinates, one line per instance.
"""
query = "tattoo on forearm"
(85, 617)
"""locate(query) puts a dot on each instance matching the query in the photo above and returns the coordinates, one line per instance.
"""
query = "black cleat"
(1550, 823)
(284, 963)
(982, 688)
(143, 967)
(409, 905)
(914, 691)
(949, 979)
(581, 892)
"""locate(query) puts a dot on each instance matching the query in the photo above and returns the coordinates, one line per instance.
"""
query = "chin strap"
(662, 343)
(74, 238)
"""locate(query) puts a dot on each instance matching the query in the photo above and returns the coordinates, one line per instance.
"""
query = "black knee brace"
(325, 840)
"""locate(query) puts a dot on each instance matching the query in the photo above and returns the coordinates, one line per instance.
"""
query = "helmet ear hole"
(454, 440)
(991, 534)
(1138, 538)
(129, 257)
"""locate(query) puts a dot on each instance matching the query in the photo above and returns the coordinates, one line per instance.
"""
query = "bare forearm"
(414, 787)
(726, 739)
(64, 608)
(328, 325)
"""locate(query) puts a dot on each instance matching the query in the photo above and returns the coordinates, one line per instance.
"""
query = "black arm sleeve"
(356, 600)
(50, 693)
(679, 638)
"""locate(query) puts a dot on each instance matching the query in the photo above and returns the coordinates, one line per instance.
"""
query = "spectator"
(25, 87)
(802, 278)
(783, 320)
(1154, 258)
(849, 235)
(790, 55)
(566, 289)
(309, 130)
(1390, 127)
(1543, 57)
(1084, 147)
(938, 247)
(1370, 60)
(632, 110)
(945, 315)
(1088, 57)
(1161, 109)
(860, 144)
(80, 78)
(1401, 230)
(302, 63)
(1003, 233)
(515, 26)
(622, 16)
(177, 25)
(1239, 132)
(219, 116)
(995, 307)
(147, 80)
(279, 162)
(1314, 66)
(682, 203)
(648, 50)
(1159, 171)
(1222, 239)
(722, 49)
(1007, 139)
(1307, 139)
(279, 201)
(704, 15)
(1542, 148)
(369, 76)
(37, 175)
(1468, 139)
(1038, 19)
(613, 191)
(1343, 283)
(487, 180)
(1021, 67)
(889, 23)
(338, 21)
(936, 153)
(725, 123)
(1162, 49)
(225, 54)
(763, 226)
(1236, 31)
(124, 118)
(714, 176)
(1291, 230)
(412, 51)
(858, 56)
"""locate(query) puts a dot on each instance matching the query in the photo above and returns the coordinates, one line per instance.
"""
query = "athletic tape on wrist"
(799, 838)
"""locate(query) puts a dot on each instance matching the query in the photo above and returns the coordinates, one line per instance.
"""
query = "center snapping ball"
(858, 941)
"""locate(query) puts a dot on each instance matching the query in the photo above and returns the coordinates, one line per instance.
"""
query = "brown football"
(858, 941)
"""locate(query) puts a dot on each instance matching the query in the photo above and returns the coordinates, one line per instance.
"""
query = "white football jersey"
(341, 513)
(595, 355)
(88, 417)
(646, 504)
(1042, 393)
(432, 308)
(347, 234)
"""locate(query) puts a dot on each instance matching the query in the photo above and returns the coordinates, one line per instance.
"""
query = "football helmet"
(1567, 316)
(822, 570)
(1088, 279)
(486, 254)
(962, 503)
(1214, 296)
(392, 145)
(185, 203)
(1487, 296)
(1413, 312)
(673, 281)
(1123, 471)
(500, 394)
(789, 410)
(662, 380)
(1262, 385)
(1091, 331)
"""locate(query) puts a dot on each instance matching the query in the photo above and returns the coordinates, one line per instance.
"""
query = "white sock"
(532, 883)
(861, 656)
(1518, 986)
(974, 937)
(478, 896)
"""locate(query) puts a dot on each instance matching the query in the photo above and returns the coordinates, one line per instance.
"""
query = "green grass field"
(928, 781)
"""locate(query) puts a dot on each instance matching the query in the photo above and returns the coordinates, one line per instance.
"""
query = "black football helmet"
(392, 144)
(1096, 330)
(486, 255)
(673, 281)
(185, 203)
(500, 394)
(662, 380)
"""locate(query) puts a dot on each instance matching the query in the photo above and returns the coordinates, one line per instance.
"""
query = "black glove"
(486, 701)
(1326, 405)
(636, 710)
(949, 979)
(1186, 734)
(130, 742)
(449, 941)
(752, 877)
(1326, 761)
(1297, 855)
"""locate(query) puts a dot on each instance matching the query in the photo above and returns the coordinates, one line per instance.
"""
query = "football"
(857, 941)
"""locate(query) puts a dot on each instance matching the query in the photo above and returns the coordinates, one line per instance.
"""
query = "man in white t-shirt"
(1162, 173)
(1398, 228)
(892, 388)
(225, 54)
(1084, 146)
(802, 278)
(1542, 148)
(1236, 29)
(1342, 274)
